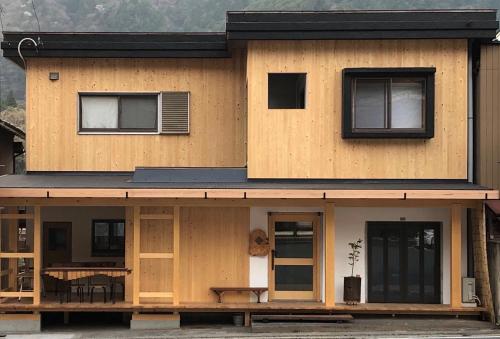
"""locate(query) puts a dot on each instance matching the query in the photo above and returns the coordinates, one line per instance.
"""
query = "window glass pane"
(101, 235)
(294, 278)
(139, 112)
(429, 244)
(286, 90)
(413, 264)
(369, 103)
(99, 112)
(293, 239)
(407, 104)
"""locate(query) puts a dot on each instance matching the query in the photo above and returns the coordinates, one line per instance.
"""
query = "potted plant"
(352, 284)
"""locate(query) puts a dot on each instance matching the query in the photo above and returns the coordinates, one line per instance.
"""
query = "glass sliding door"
(404, 262)
(293, 265)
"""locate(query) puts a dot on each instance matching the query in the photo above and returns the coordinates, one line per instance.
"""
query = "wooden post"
(176, 259)
(11, 246)
(329, 245)
(37, 254)
(129, 251)
(456, 256)
(136, 250)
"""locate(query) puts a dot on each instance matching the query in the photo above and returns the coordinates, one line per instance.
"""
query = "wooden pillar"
(456, 256)
(129, 252)
(11, 246)
(176, 258)
(329, 248)
(136, 274)
(37, 254)
(481, 271)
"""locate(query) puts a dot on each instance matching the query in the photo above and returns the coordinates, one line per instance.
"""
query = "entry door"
(293, 262)
(404, 262)
(56, 243)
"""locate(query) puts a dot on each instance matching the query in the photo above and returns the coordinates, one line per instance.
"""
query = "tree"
(10, 100)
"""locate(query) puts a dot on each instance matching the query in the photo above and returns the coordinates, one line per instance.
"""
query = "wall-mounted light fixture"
(54, 76)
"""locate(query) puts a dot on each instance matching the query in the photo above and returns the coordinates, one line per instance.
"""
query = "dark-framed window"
(286, 90)
(108, 238)
(388, 102)
(111, 112)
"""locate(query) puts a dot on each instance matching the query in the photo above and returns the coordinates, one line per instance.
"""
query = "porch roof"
(228, 183)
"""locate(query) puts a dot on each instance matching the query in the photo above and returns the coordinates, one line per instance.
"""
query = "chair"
(98, 282)
(25, 276)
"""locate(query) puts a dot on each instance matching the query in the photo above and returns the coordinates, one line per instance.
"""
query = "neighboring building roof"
(362, 24)
(399, 24)
(10, 128)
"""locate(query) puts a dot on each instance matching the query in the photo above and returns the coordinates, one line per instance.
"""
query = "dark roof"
(10, 128)
(363, 24)
(214, 178)
(407, 24)
(115, 45)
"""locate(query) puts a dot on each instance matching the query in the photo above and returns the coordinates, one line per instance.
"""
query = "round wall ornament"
(259, 244)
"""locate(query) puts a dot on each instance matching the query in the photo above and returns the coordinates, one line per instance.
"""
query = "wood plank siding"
(217, 113)
(488, 120)
(307, 143)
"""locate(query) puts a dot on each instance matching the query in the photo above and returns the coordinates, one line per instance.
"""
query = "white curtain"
(99, 112)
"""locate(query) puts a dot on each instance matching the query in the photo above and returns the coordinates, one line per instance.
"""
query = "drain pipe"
(470, 114)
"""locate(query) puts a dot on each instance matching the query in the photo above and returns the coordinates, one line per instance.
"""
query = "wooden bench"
(221, 290)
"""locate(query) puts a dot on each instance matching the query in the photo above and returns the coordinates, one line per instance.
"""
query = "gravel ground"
(359, 328)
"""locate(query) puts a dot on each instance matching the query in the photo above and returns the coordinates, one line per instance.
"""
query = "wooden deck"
(265, 307)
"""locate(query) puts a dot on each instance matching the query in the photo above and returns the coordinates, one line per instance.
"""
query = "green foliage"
(354, 254)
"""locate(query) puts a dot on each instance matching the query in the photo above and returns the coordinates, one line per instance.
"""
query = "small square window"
(388, 103)
(286, 90)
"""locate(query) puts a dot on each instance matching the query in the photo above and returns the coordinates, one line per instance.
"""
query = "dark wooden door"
(404, 262)
(57, 244)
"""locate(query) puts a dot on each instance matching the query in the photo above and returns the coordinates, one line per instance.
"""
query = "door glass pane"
(393, 266)
(429, 244)
(294, 239)
(99, 112)
(376, 262)
(413, 265)
(57, 239)
(139, 112)
(294, 278)
(407, 104)
(369, 104)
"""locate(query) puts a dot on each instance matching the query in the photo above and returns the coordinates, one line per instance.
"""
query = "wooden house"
(10, 147)
(184, 164)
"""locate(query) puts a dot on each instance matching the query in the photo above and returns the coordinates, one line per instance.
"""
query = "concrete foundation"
(155, 321)
(20, 323)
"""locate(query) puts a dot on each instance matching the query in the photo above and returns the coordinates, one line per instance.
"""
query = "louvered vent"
(175, 113)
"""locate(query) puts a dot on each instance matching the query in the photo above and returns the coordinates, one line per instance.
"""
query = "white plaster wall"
(351, 225)
(81, 219)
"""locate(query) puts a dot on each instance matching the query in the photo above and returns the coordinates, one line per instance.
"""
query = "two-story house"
(185, 166)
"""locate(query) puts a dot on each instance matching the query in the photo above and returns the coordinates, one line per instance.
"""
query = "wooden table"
(67, 274)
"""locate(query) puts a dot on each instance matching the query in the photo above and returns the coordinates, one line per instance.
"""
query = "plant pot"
(352, 290)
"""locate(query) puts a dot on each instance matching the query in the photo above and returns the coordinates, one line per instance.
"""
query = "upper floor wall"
(308, 142)
(217, 136)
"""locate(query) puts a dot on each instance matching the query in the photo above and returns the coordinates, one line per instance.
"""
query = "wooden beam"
(156, 217)
(200, 193)
(18, 294)
(156, 294)
(329, 245)
(13, 238)
(37, 245)
(156, 255)
(264, 202)
(16, 216)
(17, 255)
(456, 256)
(176, 262)
(137, 244)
